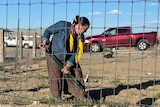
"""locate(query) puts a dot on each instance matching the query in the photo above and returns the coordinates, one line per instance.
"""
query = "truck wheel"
(26, 46)
(142, 45)
(95, 47)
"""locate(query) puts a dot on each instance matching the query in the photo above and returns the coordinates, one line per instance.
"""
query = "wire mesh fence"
(129, 77)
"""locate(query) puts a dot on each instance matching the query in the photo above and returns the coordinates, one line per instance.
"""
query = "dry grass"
(129, 78)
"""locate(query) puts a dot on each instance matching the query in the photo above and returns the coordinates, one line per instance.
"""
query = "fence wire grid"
(128, 78)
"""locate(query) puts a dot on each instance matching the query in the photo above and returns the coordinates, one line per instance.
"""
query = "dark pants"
(59, 84)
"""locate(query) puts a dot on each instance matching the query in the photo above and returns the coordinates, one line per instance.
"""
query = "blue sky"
(142, 16)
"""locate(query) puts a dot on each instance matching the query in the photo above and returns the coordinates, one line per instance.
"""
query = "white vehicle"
(12, 41)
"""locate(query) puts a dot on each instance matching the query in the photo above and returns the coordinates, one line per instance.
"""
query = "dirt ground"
(131, 78)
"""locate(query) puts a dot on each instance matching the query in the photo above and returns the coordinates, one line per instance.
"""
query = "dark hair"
(81, 20)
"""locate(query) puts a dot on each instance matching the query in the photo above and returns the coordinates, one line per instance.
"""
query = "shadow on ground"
(95, 94)
(147, 102)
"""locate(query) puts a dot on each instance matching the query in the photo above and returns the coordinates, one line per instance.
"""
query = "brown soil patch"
(131, 78)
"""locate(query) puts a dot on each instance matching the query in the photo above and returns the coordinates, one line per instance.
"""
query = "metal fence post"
(20, 50)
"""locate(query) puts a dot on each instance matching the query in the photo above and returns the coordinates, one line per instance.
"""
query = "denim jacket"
(60, 32)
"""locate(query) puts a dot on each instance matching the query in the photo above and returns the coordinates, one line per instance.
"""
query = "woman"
(67, 47)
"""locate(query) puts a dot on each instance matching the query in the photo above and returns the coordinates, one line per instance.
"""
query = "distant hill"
(28, 32)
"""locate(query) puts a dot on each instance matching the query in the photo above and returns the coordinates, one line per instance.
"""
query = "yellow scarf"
(79, 47)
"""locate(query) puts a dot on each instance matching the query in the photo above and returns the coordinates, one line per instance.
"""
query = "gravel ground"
(129, 79)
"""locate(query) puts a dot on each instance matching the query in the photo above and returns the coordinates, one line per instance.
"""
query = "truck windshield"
(110, 32)
(12, 38)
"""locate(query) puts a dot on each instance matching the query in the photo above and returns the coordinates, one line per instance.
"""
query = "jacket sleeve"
(53, 29)
(71, 60)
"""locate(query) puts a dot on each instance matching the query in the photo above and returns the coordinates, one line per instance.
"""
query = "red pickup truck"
(120, 37)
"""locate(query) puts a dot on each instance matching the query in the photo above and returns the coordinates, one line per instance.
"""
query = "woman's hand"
(42, 46)
(66, 69)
